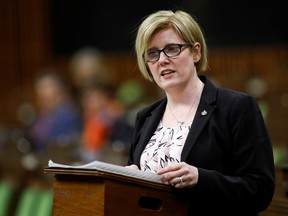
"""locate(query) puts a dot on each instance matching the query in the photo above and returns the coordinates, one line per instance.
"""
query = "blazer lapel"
(203, 114)
(149, 127)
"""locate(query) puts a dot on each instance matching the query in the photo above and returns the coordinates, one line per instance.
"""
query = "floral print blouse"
(164, 148)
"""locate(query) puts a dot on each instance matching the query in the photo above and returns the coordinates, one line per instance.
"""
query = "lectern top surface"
(98, 168)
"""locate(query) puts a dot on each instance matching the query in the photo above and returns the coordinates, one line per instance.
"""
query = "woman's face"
(173, 72)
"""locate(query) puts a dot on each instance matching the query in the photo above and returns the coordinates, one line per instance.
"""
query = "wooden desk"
(279, 204)
(278, 207)
(98, 193)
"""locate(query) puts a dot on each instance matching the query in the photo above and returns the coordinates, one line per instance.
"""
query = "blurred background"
(70, 87)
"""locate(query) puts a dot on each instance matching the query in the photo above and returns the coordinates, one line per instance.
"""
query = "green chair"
(45, 203)
(28, 202)
(6, 192)
(35, 202)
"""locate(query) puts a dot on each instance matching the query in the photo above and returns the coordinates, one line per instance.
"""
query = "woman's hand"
(181, 175)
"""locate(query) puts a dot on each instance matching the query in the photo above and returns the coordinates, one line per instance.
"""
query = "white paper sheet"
(112, 168)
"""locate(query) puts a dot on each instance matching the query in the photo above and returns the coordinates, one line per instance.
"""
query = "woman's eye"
(171, 49)
(152, 52)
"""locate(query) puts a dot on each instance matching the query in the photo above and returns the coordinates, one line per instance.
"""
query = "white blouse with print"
(164, 148)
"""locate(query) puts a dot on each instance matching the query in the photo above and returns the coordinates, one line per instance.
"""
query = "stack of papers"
(112, 168)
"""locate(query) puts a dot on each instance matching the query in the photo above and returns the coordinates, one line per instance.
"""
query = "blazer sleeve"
(250, 187)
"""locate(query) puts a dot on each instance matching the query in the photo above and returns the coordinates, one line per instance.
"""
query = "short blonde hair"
(182, 22)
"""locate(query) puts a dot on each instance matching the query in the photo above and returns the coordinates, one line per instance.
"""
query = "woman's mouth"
(167, 72)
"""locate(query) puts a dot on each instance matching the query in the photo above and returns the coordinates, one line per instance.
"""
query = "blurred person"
(209, 143)
(58, 119)
(100, 109)
(131, 94)
(84, 65)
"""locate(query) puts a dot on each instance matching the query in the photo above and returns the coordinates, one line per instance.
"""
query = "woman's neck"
(182, 107)
(184, 96)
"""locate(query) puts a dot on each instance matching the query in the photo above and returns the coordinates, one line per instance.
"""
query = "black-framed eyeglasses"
(170, 50)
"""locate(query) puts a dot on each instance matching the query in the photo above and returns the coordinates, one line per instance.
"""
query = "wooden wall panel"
(24, 50)
(8, 55)
(233, 67)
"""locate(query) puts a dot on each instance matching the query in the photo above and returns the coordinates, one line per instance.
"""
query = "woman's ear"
(196, 51)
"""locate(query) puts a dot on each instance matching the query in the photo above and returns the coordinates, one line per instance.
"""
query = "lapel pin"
(204, 112)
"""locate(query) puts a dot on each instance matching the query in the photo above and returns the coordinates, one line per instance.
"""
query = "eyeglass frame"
(181, 46)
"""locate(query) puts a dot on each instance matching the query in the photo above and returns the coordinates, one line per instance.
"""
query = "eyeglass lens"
(170, 50)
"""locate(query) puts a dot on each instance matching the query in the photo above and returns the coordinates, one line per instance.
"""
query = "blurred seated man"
(58, 120)
(84, 65)
(100, 110)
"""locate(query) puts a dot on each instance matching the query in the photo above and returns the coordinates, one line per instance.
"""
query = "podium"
(92, 192)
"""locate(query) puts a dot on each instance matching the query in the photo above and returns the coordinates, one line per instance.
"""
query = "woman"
(210, 143)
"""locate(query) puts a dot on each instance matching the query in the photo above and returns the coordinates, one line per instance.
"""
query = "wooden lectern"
(92, 192)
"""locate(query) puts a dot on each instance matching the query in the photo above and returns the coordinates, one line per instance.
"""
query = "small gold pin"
(204, 112)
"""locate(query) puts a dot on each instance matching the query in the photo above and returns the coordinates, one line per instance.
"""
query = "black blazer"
(228, 143)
